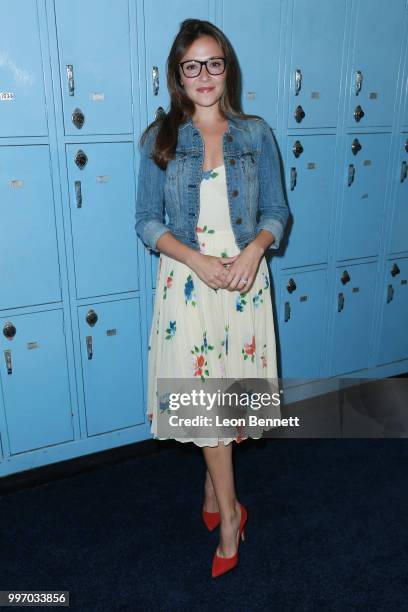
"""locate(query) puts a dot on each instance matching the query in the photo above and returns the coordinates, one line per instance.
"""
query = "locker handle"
(390, 293)
(293, 178)
(70, 77)
(155, 80)
(358, 81)
(340, 302)
(7, 357)
(404, 170)
(351, 173)
(89, 348)
(287, 311)
(298, 81)
(78, 194)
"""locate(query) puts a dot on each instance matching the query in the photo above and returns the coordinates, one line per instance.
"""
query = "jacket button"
(229, 138)
(232, 162)
(235, 193)
(238, 221)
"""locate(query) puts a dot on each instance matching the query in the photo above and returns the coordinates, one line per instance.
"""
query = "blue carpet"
(327, 525)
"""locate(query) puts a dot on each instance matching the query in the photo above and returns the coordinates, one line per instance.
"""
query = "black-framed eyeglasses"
(192, 68)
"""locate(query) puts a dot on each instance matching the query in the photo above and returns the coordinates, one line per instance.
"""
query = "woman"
(216, 172)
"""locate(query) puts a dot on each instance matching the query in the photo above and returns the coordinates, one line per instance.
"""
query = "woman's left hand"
(245, 266)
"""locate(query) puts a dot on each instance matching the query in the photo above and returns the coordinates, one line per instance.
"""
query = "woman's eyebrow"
(196, 59)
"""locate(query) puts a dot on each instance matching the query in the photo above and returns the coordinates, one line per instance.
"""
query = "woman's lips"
(205, 89)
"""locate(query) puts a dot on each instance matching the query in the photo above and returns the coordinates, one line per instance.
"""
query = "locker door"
(111, 365)
(315, 63)
(95, 65)
(29, 266)
(379, 32)
(394, 326)
(259, 60)
(22, 99)
(353, 304)
(102, 197)
(34, 378)
(162, 22)
(399, 229)
(364, 182)
(302, 307)
(309, 185)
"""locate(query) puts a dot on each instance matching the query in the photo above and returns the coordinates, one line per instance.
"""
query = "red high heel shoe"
(211, 519)
(221, 565)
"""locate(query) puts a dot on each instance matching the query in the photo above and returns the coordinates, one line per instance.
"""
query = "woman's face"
(205, 89)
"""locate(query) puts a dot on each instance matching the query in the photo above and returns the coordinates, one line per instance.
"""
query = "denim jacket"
(255, 193)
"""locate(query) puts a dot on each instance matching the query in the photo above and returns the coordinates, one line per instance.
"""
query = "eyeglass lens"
(214, 66)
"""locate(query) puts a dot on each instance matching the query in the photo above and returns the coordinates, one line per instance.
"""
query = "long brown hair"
(181, 107)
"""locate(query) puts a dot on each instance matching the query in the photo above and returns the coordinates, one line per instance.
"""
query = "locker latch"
(78, 118)
(81, 159)
(7, 357)
(70, 77)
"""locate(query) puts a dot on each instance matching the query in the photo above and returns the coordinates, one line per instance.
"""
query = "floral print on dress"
(224, 349)
(209, 174)
(224, 342)
(170, 330)
(266, 280)
(248, 351)
(257, 299)
(240, 302)
(169, 282)
(204, 230)
(200, 365)
(264, 359)
(189, 291)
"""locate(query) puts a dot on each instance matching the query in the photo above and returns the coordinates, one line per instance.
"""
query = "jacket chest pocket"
(175, 167)
(173, 189)
(249, 165)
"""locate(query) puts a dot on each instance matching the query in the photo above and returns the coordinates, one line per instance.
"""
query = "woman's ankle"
(231, 515)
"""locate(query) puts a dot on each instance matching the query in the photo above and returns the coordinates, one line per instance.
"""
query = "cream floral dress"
(201, 332)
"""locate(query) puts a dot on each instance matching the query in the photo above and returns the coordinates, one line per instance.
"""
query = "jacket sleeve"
(150, 196)
(273, 211)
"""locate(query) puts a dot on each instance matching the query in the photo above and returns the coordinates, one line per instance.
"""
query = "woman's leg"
(210, 499)
(219, 464)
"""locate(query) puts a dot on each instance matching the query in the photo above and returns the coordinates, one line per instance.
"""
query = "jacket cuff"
(152, 232)
(273, 226)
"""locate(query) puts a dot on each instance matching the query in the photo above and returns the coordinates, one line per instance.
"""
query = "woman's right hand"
(211, 269)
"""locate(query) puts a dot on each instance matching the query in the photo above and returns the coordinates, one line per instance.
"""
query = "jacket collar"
(234, 122)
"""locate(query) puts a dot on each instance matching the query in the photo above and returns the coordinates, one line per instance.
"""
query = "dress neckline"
(212, 169)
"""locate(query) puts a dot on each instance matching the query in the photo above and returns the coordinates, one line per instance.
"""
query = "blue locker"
(399, 228)
(301, 323)
(111, 357)
(22, 95)
(352, 309)
(95, 66)
(34, 379)
(259, 61)
(102, 199)
(364, 181)
(29, 259)
(394, 301)
(315, 63)
(309, 185)
(373, 74)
